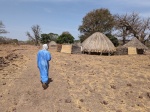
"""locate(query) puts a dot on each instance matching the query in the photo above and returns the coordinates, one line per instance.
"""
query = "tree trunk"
(124, 37)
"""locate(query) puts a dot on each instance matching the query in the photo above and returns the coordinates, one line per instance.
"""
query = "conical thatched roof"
(134, 42)
(52, 43)
(98, 42)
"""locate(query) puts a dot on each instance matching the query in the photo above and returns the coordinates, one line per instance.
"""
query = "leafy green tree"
(45, 38)
(113, 39)
(83, 37)
(99, 20)
(53, 36)
(65, 37)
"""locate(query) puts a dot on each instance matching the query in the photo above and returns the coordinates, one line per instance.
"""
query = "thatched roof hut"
(134, 46)
(99, 43)
(52, 43)
(134, 42)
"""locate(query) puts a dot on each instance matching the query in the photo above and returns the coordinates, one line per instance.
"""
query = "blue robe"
(43, 58)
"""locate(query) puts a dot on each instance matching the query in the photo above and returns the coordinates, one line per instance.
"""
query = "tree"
(2, 30)
(99, 20)
(83, 37)
(133, 25)
(45, 38)
(53, 36)
(36, 31)
(65, 37)
(113, 39)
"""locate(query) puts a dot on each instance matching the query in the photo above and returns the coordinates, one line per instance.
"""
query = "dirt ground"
(79, 82)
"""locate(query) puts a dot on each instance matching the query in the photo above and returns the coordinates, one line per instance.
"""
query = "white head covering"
(45, 46)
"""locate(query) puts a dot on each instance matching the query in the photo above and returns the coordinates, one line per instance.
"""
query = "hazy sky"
(57, 16)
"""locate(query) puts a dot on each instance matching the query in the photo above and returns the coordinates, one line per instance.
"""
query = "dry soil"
(79, 82)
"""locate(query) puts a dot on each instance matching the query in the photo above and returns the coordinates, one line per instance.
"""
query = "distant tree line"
(46, 38)
(38, 38)
(99, 20)
(127, 25)
(5, 40)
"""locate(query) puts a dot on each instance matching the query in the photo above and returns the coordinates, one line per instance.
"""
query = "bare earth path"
(80, 83)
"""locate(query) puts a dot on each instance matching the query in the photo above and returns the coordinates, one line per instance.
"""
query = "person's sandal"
(44, 85)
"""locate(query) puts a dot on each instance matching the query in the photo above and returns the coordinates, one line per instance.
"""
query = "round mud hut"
(53, 44)
(136, 45)
(134, 42)
(98, 43)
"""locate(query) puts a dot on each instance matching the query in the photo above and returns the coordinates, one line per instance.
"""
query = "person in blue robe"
(43, 58)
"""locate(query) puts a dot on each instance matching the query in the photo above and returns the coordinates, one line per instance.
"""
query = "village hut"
(134, 46)
(52, 44)
(98, 43)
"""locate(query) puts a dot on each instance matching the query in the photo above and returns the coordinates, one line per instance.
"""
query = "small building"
(134, 46)
(98, 43)
(52, 44)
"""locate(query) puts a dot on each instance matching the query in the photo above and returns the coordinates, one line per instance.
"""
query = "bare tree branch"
(133, 25)
(2, 30)
(36, 31)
